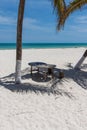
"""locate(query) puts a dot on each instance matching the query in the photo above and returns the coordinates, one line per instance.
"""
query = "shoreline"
(42, 48)
(12, 46)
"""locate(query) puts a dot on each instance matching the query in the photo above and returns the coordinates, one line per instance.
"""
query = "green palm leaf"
(59, 6)
(73, 6)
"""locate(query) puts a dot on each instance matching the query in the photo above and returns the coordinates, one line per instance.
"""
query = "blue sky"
(40, 23)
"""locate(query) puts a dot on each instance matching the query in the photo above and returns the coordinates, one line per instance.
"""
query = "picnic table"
(40, 66)
(35, 64)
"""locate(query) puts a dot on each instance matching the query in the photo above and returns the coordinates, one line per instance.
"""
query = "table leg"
(31, 70)
(38, 70)
(49, 71)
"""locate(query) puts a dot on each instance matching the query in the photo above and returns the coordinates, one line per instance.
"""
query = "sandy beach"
(43, 105)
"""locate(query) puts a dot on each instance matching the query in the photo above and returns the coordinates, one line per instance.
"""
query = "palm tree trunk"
(77, 66)
(19, 41)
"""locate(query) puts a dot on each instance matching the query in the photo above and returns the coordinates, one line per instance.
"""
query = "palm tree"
(19, 41)
(73, 6)
(59, 6)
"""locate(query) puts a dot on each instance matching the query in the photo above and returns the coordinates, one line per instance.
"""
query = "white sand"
(35, 105)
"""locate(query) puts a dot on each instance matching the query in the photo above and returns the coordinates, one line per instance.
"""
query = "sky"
(40, 23)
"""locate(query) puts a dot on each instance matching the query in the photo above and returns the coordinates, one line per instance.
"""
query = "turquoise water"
(42, 45)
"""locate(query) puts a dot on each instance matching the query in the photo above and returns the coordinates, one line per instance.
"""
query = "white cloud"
(79, 25)
(43, 2)
(9, 1)
(35, 25)
(82, 19)
(7, 20)
(78, 28)
(34, 4)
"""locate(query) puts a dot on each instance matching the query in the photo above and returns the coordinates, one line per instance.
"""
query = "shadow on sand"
(79, 76)
(51, 85)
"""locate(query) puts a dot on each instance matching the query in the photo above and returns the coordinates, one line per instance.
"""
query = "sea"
(42, 45)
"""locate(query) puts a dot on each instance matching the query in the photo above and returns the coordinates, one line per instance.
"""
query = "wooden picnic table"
(35, 64)
(41, 65)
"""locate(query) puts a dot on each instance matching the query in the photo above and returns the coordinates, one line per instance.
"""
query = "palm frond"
(73, 6)
(59, 6)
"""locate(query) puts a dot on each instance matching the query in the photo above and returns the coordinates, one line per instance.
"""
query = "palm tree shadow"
(37, 77)
(77, 75)
(50, 88)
